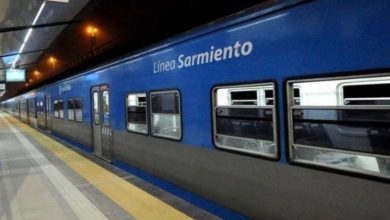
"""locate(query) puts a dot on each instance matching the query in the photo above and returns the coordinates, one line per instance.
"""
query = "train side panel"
(313, 38)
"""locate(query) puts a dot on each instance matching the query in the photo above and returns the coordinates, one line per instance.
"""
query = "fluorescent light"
(22, 47)
(28, 34)
(39, 12)
(63, 1)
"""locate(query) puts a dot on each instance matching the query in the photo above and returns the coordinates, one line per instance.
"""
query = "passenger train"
(279, 112)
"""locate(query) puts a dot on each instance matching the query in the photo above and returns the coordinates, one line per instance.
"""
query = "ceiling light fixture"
(28, 34)
(62, 1)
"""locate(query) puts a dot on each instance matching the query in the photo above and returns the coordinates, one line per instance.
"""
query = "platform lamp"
(92, 31)
(52, 61)
(28, 82)
(37, 73)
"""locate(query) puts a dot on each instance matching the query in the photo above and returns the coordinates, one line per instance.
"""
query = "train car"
(11, 106)
(281, 112)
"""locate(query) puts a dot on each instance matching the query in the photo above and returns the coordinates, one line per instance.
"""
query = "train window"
(96, 114)
(297, 96)
(269, 97)
(165, 114)
(374, 94)
(23, 106)
(40, 108)
(17, 109)
(136, 113)
(56, 114)
(71, 109)
(48, 106)
(245, 97)
(246, 126)
(60, 108)
(342, 123)
(31, 107)
(106, 108)
(78, 109)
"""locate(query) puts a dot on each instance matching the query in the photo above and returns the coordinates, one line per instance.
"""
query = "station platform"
(43, 178)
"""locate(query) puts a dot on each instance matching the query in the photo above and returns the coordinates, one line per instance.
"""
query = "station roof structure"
(52, 39)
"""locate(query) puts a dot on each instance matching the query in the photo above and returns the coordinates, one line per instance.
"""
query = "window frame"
(81, 101)
(245, 86)
(290, 106)
(38, 107)
(95, 122)
(340, 89)
(63, 109)
(231, 101)
(105, 96)
(31, 107)
(295, 98)
(151, 113)
(146, 112)
(55, 109)
(73, 109)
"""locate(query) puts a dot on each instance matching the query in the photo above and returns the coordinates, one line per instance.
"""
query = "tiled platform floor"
(37, 184)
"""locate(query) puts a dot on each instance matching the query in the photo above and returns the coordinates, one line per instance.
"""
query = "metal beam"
(20, 28)
(24, 64)
(27, 52)
(27, 64)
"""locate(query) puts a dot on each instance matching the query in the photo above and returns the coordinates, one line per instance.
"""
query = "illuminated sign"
(15, 75)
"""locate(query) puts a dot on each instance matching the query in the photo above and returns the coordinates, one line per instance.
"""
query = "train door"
(27, 111)
(48, 116)
(101, 126)
(19, 105)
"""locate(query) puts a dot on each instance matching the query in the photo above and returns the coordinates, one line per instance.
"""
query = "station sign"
(2, 86)
(15, 75)
(65, 87)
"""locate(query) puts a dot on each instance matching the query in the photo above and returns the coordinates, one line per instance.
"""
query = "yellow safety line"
(135, 201)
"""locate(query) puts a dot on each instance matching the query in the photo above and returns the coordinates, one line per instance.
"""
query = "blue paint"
(336, 36)
(205, 204)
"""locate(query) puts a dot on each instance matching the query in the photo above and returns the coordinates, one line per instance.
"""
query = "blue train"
(281, 112)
